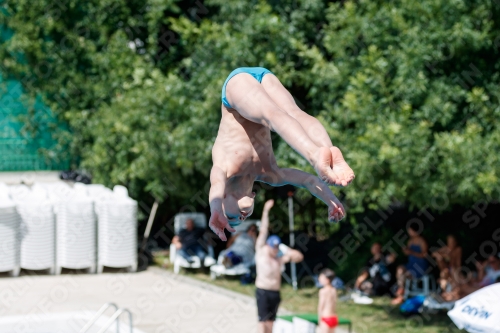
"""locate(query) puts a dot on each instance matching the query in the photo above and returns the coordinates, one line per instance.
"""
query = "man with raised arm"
(270, 256)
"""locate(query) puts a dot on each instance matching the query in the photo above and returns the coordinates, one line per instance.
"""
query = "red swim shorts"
(331, 321)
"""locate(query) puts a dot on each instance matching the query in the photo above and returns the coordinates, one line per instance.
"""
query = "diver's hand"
(218, 222)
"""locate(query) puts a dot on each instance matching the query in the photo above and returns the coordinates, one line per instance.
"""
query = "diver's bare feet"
(332, 168)
(398, 300)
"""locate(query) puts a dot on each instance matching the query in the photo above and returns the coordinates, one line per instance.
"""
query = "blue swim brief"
(257, 72)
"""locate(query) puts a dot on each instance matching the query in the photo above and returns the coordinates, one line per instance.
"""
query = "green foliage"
(408, 90)
(411, 94)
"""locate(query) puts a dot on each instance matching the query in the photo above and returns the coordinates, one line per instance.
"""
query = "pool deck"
(160, 301)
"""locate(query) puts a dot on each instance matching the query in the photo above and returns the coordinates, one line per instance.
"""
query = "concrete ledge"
(29, 177)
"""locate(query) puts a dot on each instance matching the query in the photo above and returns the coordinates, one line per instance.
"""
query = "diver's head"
(237, 208)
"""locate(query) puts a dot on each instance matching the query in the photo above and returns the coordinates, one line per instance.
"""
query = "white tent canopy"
(479, 312)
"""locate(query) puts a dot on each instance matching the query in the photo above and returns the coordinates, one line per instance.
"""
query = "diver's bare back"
(242, 147)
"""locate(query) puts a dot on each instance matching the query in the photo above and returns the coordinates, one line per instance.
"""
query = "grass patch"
(379, 317)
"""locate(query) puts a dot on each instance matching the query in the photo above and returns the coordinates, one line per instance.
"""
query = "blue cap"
(273, 241)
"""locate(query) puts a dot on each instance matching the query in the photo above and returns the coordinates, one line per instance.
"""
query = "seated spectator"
(449, 256)
(188, 242)
(449, 261)
(240, 248)
(488, 273)
(417, 265)
(375, 279)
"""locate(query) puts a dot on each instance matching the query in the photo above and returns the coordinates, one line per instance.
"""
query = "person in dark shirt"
(376, 277)
(188, 243)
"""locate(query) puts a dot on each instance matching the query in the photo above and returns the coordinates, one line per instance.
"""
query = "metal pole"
(149, 225)
(292, 238)
(115, 317)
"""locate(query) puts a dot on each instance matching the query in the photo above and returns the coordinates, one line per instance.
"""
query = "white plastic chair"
(412, 288)
(244, 268)
(19, 192)
(76, 233)
(98, 191)
(80, 189)
(37, 231)
(9, 235)
(4, 191)
(56, 191)
(120, 191)
(200, 221)
(117, 230)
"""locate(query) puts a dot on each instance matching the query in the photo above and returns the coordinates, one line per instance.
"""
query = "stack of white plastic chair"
(96, 191)
(37, 235)
(76, 228)
(19, 192)
(9, 234)
(117, 228)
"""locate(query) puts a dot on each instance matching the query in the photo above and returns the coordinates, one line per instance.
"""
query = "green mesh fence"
(20, 151)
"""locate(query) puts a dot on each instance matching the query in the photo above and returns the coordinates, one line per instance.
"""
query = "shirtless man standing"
(270, 255)
(254, 102)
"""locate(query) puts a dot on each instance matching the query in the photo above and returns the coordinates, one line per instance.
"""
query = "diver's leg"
(249, 98)
(284, 100)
